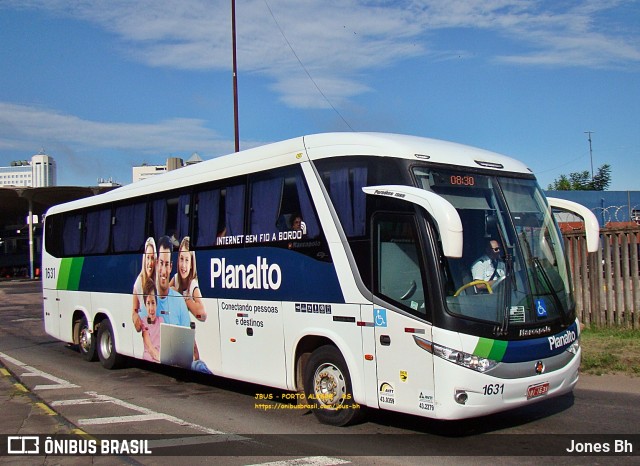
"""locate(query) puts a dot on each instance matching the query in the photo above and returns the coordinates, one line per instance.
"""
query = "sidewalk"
(24, 413)
(618, 383)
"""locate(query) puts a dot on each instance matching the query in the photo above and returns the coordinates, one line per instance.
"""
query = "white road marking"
(146, 415)
(120, 419)
(308, 461)
(198, 440)
(59, 383)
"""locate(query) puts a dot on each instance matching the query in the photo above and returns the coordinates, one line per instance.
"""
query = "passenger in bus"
(146, 273)
(297, 224)
(489, 267)
(173, 311)
(151, 327)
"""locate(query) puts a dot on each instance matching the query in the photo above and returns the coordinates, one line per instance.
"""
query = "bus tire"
(327, 385)
(106, 345)
(86, 339)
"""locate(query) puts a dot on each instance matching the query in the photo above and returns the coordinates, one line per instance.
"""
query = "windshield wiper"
(545, 278)
(505, 301)
(549, 285)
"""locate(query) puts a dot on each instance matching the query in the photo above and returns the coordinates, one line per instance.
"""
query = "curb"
(21, 393)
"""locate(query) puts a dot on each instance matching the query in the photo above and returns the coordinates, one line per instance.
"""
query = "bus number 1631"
(493, 389)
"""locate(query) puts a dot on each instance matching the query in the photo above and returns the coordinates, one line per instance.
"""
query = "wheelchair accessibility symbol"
(541, 309)
(380, 317)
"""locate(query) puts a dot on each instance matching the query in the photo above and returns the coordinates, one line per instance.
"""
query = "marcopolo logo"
(258, 276)
(564, 339)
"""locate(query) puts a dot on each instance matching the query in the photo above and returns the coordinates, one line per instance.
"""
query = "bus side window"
(296, 210)
(280, 202)
(128, 227)
(54, 225)
(97, 232)
(399, 268)
(207, 217)
(72, 234)
(345, 190)
(233, 211)
(266, 198)
(170, 217)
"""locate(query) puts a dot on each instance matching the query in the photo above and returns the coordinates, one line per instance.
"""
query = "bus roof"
(311, 147)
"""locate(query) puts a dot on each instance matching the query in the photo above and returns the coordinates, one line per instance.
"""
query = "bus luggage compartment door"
(252, 338)
(51, 312)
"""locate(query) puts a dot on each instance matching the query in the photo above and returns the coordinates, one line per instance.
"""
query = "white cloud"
(85, 147)
(340, 41)
(27, 123)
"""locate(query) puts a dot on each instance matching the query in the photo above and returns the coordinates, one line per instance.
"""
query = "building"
(108, 183)
(144, 171)
(39, 172)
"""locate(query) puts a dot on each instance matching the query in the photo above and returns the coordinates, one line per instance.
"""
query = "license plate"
(536, 390)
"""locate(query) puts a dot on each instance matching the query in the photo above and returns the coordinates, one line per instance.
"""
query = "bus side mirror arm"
(591, 226)
(443, 212)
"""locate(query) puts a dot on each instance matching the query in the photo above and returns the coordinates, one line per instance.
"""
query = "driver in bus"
(489, 267)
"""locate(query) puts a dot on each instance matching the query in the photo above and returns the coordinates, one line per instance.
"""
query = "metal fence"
(606, 283)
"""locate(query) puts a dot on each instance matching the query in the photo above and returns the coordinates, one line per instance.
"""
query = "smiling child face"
(184, 264)
(151, 304)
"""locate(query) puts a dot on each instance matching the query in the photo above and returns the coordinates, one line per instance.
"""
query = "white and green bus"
(341, 266)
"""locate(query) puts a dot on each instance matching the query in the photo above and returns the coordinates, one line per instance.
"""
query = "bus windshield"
(513, 270)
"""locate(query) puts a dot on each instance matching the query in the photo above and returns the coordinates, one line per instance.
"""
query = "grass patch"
(610, 351)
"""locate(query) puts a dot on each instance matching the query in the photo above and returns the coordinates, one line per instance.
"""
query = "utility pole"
(235, 76)
(589, 133)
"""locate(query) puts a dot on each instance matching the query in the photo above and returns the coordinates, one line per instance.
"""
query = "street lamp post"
(235, 76)
(589, 133)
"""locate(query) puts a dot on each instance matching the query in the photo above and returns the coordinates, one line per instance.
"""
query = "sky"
(103, 85)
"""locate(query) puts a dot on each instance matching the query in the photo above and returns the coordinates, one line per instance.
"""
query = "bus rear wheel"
(327, 385)
(85, 339)
(106, 345)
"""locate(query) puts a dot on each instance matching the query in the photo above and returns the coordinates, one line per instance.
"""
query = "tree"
(582, 181)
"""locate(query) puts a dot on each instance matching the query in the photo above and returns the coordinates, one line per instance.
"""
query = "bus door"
(403, 334)
(401, 331)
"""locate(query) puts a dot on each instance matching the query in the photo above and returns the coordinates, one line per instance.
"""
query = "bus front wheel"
(86, 339)
(327, 385)
(109, 357)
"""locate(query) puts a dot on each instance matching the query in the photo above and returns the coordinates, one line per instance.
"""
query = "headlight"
(574, 347)
(461, 358)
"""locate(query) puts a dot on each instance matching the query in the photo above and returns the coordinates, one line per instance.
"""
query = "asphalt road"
(204, 417)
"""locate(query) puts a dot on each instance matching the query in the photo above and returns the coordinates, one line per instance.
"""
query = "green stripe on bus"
(483, 348)
(492, 349)
(70, 272)
(63, 274)
(498, 350)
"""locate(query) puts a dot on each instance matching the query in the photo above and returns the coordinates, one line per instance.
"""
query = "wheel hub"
(330, 386)
(106, 345)
(85, 339)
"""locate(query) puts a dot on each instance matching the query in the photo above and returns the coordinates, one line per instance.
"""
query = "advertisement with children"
(167, 308)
